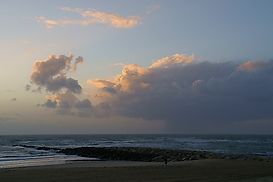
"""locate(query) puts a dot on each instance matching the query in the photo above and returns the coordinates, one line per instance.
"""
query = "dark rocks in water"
(144, 154)
(110, 153)
(138, 154)
(47, 148)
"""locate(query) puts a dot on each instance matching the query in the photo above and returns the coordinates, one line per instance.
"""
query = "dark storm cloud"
(187, 93)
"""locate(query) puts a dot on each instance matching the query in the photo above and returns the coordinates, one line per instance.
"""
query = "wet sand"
(116, 171)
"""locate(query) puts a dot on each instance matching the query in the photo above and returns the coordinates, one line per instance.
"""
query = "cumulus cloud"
(188, 94)
(51, 75)
(89, 17)
(176, 59)
(134, 77)
(185, 93)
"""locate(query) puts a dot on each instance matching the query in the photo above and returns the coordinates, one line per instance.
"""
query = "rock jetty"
(143, 154)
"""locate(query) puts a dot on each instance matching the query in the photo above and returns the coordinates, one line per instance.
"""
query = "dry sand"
(118, 171)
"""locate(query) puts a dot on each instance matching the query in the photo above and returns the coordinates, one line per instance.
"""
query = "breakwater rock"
(144, 154)
(137, 154)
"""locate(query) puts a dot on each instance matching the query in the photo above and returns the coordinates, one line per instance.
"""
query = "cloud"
(83, 104)
(101, 83)
(51, 75)
(188, 94)
(252, 66)
(50, 103)
(78, 60)
(176, 59)
(89, 17)
(68, 103)
(133, 76)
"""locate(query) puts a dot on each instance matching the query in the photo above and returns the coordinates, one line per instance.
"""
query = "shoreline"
(133, 164)
(124, 155)
(207, 170)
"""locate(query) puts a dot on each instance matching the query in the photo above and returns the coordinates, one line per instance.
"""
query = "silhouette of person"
(166, 160)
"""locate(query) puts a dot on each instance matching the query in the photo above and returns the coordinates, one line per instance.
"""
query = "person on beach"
(166, 160)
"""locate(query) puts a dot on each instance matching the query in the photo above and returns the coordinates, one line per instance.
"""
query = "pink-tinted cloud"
(176, 59)
(251, 65)
(89, 17)
(131, 77)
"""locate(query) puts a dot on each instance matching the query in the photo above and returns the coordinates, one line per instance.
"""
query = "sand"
(118, 171)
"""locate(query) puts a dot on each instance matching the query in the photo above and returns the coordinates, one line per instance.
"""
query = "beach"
(208, 170)
(133, 158)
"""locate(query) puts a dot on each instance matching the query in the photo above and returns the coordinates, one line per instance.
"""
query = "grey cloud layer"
(185, 93)
(177, 89)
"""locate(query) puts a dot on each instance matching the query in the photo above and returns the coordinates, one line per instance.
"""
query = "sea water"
(14, 155)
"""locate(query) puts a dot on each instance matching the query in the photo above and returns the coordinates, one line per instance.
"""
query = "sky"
(100, 66)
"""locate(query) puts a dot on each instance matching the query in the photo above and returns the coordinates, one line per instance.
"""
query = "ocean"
(14, 155)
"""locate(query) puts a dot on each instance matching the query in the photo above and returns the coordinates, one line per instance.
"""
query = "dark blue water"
(12, 155)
